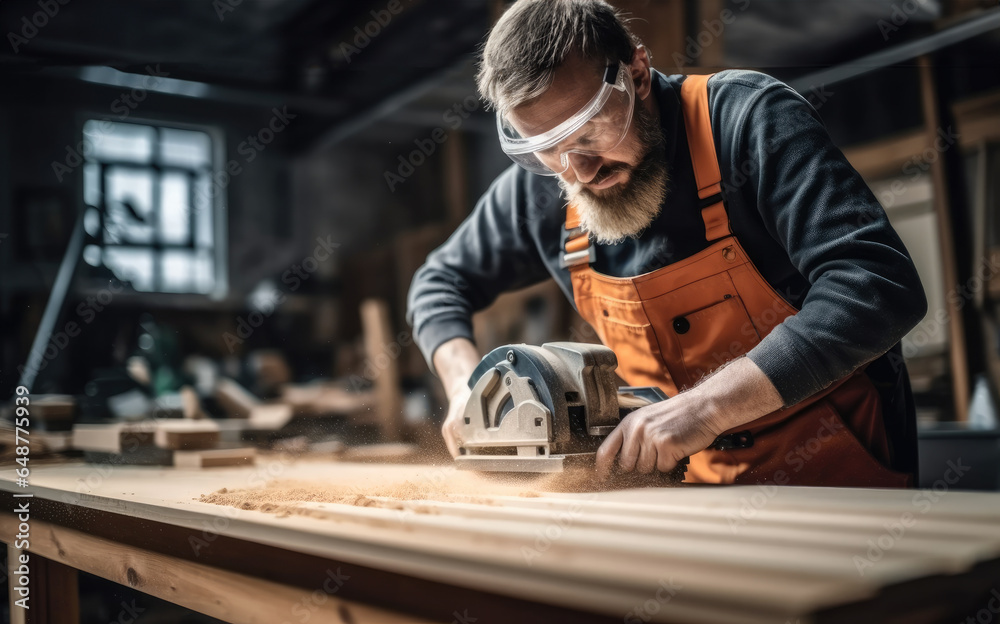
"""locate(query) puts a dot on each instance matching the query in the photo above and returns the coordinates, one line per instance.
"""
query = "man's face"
(618, 192)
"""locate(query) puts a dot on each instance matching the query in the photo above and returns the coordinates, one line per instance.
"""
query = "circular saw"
(546, 409)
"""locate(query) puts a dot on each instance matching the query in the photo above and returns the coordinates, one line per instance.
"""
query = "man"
(711, 234)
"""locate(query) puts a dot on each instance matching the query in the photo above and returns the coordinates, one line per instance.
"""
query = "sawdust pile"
(286, 497)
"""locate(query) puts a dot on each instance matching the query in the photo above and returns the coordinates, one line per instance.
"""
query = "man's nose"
(584, 167)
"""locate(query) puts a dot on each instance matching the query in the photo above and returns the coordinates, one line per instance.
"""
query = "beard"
(625, 210)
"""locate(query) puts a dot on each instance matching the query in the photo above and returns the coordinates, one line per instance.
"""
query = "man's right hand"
(454, 362)
(452, 426)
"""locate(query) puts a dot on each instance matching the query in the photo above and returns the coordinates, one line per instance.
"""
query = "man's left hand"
(658, 436)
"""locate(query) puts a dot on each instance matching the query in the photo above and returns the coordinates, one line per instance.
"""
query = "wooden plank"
(218, 593)
(168, 433)
(191, 404)
(186, 434)
(603, 552)
(269, 416)
(55, 410)
(113, 438)
(213, 458)
(390, 451)
(236, 400)
(321, 399)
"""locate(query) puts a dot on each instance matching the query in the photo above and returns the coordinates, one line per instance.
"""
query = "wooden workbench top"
(693, 554)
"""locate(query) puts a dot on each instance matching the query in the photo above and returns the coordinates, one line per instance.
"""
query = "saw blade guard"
(533, 405)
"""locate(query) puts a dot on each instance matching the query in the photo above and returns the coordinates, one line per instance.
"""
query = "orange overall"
(672, 326)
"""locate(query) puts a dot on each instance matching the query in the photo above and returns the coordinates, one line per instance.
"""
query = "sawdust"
(286, 497)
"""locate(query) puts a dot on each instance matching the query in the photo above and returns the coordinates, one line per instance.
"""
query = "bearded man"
(715, 239)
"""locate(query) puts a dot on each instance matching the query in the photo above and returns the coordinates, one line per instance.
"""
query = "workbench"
(748, 554)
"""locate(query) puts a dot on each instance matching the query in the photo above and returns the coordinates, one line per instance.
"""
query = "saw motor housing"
(542, 409)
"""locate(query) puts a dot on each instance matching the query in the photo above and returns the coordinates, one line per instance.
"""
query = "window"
(151, 210)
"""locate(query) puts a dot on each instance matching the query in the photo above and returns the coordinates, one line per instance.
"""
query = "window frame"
(219, 202)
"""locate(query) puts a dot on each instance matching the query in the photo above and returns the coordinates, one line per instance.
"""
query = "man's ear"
(640, 72)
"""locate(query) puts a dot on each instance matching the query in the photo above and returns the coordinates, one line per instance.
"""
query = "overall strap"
(578, 252)
(698, 124)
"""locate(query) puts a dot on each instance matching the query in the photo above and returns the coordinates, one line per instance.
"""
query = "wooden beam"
(950, 270)
(661, 26)
(54, 594)
(218, 593)
(382, 352)
(886, 157)
(709, 23)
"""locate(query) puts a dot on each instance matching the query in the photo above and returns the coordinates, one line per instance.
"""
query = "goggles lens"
(598, 127)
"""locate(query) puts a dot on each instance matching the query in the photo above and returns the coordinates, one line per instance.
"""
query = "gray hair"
(534, 37)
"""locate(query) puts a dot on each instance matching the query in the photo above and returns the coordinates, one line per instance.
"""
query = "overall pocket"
(622, 326)
(714, 335)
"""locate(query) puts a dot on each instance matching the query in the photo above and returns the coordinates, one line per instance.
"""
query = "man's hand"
(454, 362)
(451, 427)
(657, 437)
(660, 435)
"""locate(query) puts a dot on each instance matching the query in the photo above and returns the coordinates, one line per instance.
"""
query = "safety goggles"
(598, 127)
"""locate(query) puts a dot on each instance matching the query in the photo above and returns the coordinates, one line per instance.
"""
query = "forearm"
(735, 395)
(454, 362)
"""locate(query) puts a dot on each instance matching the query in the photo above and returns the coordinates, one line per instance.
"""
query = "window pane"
(92, 222)
(133, 265)
(204, 272)
(184, 148)
(129, 205)
(92, 184)
(178, 271)
(118, 141)
(174, 211)
(204, 215)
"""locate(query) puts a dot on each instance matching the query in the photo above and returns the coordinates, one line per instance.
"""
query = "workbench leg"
(54, 590)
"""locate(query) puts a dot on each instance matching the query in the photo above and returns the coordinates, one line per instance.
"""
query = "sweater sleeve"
(864, 293)
(491, 252)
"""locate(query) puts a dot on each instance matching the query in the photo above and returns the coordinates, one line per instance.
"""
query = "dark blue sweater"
(805, 217)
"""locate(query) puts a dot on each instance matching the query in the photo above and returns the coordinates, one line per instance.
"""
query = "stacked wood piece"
(181, 442)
